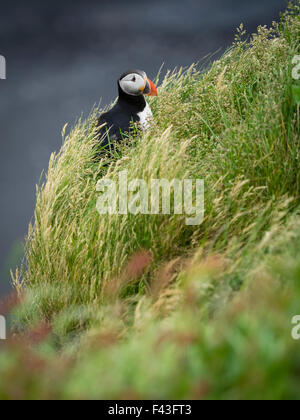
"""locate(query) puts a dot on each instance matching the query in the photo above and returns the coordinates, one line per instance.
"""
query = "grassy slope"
(146, 306)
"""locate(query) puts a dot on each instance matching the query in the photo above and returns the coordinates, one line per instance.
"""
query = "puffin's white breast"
(145, 117)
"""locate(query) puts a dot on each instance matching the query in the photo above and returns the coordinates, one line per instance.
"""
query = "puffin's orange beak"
(152, 87)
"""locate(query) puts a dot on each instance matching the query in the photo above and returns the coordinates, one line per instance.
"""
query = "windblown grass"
(145, 306)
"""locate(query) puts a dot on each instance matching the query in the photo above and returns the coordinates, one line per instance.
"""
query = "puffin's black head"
(136, 83)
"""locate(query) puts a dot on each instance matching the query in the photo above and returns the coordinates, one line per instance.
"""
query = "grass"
(145, 306)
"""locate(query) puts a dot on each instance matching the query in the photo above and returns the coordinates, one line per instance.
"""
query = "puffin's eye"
(133, 79)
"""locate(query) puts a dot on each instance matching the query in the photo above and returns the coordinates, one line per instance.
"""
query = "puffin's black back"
(119, 118)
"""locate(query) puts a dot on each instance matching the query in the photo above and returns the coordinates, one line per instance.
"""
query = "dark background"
(63, 56)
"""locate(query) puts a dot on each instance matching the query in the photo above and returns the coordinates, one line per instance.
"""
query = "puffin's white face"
(136, 84)
(133, 84)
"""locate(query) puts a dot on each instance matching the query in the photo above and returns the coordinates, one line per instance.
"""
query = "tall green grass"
(145, 306)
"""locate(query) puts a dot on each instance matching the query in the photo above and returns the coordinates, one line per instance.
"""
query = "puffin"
(131, 106)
